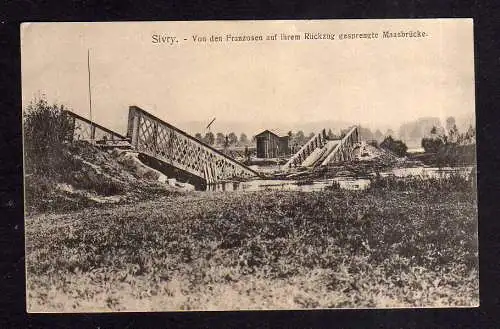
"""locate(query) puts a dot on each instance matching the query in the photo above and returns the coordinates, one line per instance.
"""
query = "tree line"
(444, 146)
(232, 139)
(451, 147)
(296, 138)
(221, 139)
(448, 144)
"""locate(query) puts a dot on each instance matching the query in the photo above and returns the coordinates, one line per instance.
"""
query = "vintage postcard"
(249, 165)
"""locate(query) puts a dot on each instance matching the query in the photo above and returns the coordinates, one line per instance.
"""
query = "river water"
(347, 183)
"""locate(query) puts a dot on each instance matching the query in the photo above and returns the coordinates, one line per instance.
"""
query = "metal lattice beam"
(156, 138)
(84, 129)
(317, 141)
(342, 152)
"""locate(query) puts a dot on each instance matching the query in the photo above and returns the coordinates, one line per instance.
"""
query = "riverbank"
(258, 250)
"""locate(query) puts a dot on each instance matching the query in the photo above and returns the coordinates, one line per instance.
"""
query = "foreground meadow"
(216, 251)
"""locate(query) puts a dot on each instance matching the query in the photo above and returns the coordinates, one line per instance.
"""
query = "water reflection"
(347, 183)
(429, 172)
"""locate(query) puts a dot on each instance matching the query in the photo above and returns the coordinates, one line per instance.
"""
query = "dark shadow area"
(172, 172)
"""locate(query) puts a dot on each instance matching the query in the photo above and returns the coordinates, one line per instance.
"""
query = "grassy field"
(214, 251)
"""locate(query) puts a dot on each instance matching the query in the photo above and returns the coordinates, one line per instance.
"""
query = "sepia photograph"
(249, 165)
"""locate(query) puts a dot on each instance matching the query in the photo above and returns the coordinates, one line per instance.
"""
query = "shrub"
(395, 146)
(453, 182)
(46, 129)
(454, 155)
(451, 149)
(431, 145)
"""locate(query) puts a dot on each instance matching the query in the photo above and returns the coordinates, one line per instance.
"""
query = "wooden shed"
(270, 145)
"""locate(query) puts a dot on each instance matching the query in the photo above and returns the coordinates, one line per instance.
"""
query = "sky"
(379, 83)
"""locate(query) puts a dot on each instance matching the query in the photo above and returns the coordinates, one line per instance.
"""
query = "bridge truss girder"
(156, 138)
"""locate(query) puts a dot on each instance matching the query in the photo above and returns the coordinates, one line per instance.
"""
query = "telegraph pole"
(90, 99)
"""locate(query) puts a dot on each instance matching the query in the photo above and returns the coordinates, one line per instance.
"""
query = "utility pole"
(92, 131)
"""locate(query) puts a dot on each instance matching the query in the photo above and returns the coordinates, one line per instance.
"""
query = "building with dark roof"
(270, 145)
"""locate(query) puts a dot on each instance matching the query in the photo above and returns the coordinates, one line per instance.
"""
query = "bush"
(395, 146)
(46, 129)
(455, 155)
(452, 149)
(431, 145)
(454, 182)
(450, 154)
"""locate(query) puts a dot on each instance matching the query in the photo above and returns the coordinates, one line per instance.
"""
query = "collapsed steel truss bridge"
(151, 136)
(160, 140)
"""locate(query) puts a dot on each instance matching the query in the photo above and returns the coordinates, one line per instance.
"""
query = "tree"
(198, 136)
(311, 135)
(220, 139)
(450, 148)
(453, 134)
(330, 134)
(395, 146)
(450, 123)
(378, 136)
(440, 138)
(209, 138)
(470, 135)
(299, 137)
(243, 139)
(232, 138)
(431, 145)
(46, 130)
